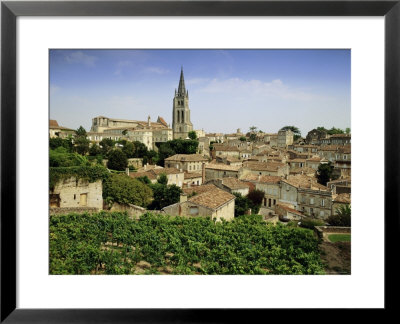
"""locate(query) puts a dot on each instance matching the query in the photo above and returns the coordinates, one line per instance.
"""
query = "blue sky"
(228, 89)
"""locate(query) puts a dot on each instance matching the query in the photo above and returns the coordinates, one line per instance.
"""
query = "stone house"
(315, 161)
(191, 163)
(287, 212)
(56, 130)
(285, 138)
(231, 185)
(174, 176)
(265, 168)
(316, 136)
(307, 196)
(270, 185)
(213, 202)
(192, 179)
(340, 186)
(219, 170)
(226, 151)
(77, 193)
(228, 160)
(297, 163)
(216, 137)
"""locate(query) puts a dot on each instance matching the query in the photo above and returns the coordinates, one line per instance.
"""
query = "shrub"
(311, 223)
(117, 160)
(125, 190)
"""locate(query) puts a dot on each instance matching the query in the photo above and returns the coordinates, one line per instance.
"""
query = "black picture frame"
(10, 10)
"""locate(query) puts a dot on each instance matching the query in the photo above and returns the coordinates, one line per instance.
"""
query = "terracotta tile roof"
(226, 148)
(342, 198)
(314, 159)
(291, 210)
(149, 175)
(269, 179)
(221, 166)
(187, 158)
(234, 183)
(166, 171)
(212, 199)
(305, 182)
(249, 177)
(304, 170)
(263, 166)
(162, 121)
(188, 175)
(53, 123)
(199, 189)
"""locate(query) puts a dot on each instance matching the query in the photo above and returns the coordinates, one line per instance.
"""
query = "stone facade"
(285, 138)
(73, 193)
(191, 163)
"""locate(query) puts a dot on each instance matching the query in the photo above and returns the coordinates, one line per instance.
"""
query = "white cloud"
(157, 70)
(196, 81)
(240, 87)
(80, 58)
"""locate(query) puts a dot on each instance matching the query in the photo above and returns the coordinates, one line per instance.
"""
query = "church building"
(181, 124)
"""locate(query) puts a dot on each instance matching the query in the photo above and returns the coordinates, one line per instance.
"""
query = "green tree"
(106, 145)
(334, 131)
(241, 205)
(255, 198)
(324, 173)
(348, 130)
(243, 139)
(117, 160)
(94, 150)
(81, 132)
(162, 179)
(126, 190)
(56, 142)
(342, 218)
(253, 129)
(140, 150)
(129, 149)
(164, 195)
(192, 135)
(81, 145)
(144, 179)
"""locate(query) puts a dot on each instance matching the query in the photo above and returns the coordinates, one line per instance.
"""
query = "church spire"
(181, 87)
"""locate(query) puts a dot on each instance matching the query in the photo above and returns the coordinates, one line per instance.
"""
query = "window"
(194, 210)
(311, 201)
(323, 202)
(83, 200)
(321, 213)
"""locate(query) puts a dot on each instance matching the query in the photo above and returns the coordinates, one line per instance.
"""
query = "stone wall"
(73, 193)
(133, 211)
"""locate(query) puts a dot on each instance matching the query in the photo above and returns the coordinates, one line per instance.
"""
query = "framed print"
(47, 49)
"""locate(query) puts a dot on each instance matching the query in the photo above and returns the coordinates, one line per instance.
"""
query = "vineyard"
(112, 243)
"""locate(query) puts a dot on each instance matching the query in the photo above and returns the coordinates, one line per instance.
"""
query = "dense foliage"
(251, 201)
(117, 160)
(324, 173)
(90, 173)
(176, 146)
(342, 218)
(125, 190)
(60, 157)
(111, 243)
(164, 195)
(56, 142)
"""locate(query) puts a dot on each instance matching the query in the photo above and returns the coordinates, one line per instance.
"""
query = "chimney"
(183, 198)
(148, 121)
(203, 172)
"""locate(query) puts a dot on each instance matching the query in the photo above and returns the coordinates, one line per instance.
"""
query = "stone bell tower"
(181, 124)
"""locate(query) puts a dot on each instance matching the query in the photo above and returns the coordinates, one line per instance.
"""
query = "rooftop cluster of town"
(281, 165)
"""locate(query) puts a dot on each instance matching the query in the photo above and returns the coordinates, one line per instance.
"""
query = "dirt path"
(336, 257)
